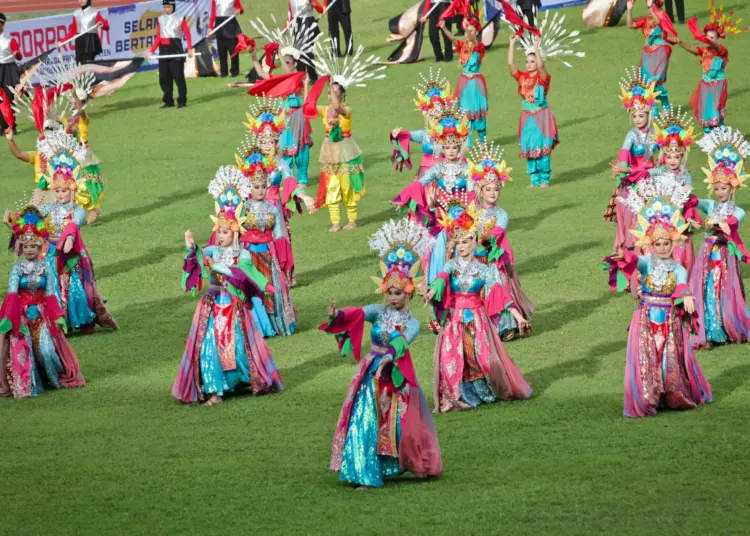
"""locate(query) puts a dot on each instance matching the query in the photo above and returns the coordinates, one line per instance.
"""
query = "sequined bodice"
(389, 321)
(260, 215)
(722, 211)
(226, 255)
(452, 176)
(33, 274)
(490, 216)
(60, 215)
(642, 145)
(661, 278)
(469, 277)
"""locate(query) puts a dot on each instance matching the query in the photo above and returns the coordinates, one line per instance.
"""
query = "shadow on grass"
(550, 261)
(729, 381)
(556, 317)
(154, 256)
(298, 375)
(578, 174)
(159, 203)
(331, 270)
(380, 217)
(508, 140)
(156, 102)
(739, 91)
(528, 223)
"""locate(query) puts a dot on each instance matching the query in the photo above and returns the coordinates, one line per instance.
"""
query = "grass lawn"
(122, 456)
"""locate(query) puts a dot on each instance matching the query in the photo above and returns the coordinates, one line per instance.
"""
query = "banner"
(132, 30)
(557, 4)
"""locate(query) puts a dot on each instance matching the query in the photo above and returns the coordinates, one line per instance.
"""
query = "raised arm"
(630, 22)
(258, 67)
(539, 60)
(14, 150)
(337, 105)
(446, 31)
(689, 48)
(512, 56)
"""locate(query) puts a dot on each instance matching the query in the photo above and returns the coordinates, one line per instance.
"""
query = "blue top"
(422, 137)
(59, 214)
(639, 144)
(470, 278)
(449, 176)
(385, 320)
(721, 210)
(32, 276)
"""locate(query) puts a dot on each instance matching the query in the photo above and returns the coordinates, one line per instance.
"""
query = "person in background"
(301, 13)
(86, 21)
(170, 29)
(9, 76)
(341, 14)
(680, 10)
(434, 18)
(529, 9)
(226, 36)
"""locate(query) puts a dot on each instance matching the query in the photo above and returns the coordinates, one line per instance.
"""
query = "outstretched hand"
(689, 303)
(429, 295)
(189, 240)
(332, 309)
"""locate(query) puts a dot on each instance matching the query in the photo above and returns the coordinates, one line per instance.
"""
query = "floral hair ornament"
(726, 149)
(637, 95)
(486, 166)
(719, 22)
(401, 246)
(674, 132)
(459, 220)
(252, 163)
(267, 119)
(62, 159)
(28, 226)
(433, 94)
(229, 188)
(451, 127)
(658, 204)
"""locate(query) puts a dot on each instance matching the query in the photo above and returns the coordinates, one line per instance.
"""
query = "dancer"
(716, 282)
(34, 352)
(85, 27)
(265, 238)
(9, 74)
(471, 364)
(66, 170)
(294, 49)
(656, 28)
(660, 367)
(170, 30)
(636, 156)
(342, 176)
(385, 428)
(433, 97)
(489, 173)
(471, 90)
(225, 350)
(674, 137)
(446, 181)
(710, 97)
(226, 35)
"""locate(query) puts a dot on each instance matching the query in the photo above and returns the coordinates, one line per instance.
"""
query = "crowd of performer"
(449, 246)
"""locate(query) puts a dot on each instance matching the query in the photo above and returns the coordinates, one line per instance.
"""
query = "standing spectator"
(680, 10)
(226, 36)
(340, 13)
(434, 32)
(301, 13)
(529, 7)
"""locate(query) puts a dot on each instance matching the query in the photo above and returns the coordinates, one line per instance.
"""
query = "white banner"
(132, 30)
(555, 4)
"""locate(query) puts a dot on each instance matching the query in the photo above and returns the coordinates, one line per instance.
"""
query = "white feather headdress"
(60, 141)
(349, 71)
(57, 73)
(556, 41)
(298, 41)
(229, 181)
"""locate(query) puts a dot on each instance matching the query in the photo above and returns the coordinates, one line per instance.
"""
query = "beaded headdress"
(721, 22)
(62, 157)
(556, 41)
(637, 94)
(658, 204)
(486, 165)
(674, 132)
(229, 188)
(401, 246)
(252, 163)
(70, 77)
(267, 118)
(44, 106)
(351, 71)
(28, 226)
(433, 94)
(726, 149)
(452, 127)
(459, 220)
(296, 40)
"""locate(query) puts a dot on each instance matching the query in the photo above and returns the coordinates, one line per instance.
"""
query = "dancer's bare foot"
(531, 187)
(545, 185)
(351, 225)
(362, 488)
(213, 400)
(335, 228)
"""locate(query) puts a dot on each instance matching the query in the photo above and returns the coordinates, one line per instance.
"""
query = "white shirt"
(86, 19)
(171, 26)
(5, 50)
(224, 8)
(301, 9)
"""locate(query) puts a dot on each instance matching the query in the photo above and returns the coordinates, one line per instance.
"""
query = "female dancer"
(385, 428)
(433, 97)
(445, 181)
(716, 281)
(342, 177)
(537, 128)
(225, 350)
(75, 282)
(471, 364)
(268, 245)
(489, 173)
(471, 90)
(656, 28)
(86, 21)
(636, 156)
(660, 367)
(710, 97)
(33, 347)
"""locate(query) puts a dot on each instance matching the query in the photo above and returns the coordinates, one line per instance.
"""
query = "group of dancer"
(686, 301)
(450, 246)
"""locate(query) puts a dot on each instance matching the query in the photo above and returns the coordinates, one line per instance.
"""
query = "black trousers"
(435, 32)
(226, 48)
(529, 15)
(308, 22)
(680, 4)
(171, 73)
(344, 20)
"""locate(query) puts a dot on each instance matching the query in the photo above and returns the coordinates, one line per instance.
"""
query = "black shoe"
(181, 106)
(166, 105)
(223, 75)
(438, 60)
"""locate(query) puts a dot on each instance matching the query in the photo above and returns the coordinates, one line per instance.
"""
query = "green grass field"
(121, 456)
